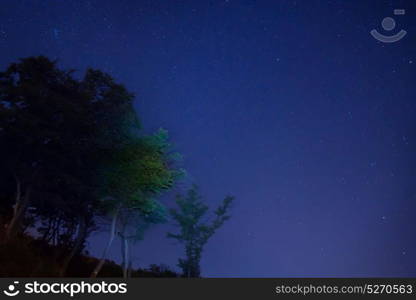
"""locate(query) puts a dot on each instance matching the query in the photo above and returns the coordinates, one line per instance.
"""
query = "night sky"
(291, 106)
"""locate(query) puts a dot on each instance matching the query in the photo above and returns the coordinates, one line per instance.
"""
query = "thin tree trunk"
(82, 232)
(55, 231)
(124, 250)
(129, 271)
(19, 212)
(126, 257)
(18, 195)
(47, 230)
(122, 246)
(107, 248)
(16, 207)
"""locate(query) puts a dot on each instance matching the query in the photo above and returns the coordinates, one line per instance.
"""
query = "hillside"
(28, 257)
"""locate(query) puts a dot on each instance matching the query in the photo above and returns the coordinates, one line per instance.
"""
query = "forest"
(73, 156)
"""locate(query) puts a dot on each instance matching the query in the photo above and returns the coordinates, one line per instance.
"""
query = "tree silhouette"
(73, 152)
(194, 231)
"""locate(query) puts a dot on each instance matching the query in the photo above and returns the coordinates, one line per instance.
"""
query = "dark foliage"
(28, 257)
(194, 230)
(72, 153)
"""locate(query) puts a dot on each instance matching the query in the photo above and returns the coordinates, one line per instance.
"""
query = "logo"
(11, 290)
(388, 25)
(68, 288)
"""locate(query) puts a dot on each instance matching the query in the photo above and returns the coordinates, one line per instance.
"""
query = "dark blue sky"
(291, 106)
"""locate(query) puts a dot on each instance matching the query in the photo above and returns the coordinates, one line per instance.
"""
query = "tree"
(132, 227)
(134, 175)
(72, 150)
(194, 231)
(42, 126)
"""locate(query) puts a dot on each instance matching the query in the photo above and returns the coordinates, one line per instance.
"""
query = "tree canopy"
(74, 150)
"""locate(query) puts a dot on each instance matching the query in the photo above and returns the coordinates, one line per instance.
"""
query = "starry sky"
(291, 106)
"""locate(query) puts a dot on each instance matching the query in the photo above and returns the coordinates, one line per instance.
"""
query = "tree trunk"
(47, 230)
(16, 207)
(124, 250)
(18, 195)
(126, 257)
(82, 233)
(107, 248)
(129, 269)
(19, 211)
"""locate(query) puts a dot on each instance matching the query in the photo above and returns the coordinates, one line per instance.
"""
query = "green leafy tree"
(194, 231)
(135, 174)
